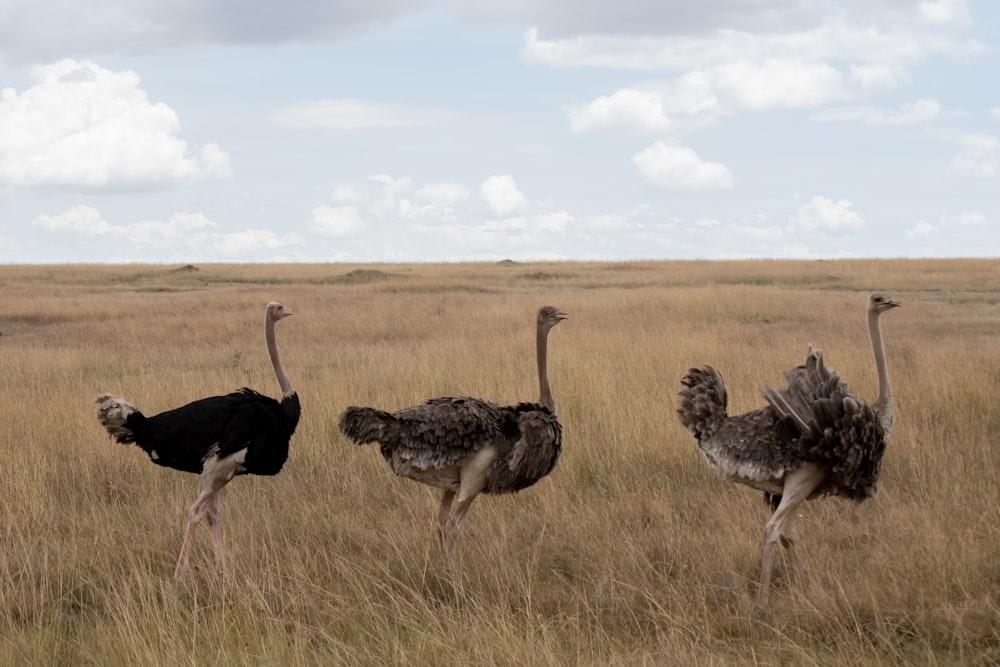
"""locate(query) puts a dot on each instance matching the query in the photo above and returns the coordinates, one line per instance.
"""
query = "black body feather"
(220, 425)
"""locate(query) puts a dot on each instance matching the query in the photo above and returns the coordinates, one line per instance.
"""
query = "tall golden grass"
(632, 552)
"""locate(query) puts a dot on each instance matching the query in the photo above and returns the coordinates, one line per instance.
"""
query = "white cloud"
(83, 125)
(628, 109)
(728, 71)
(501, 194)
(382, 197)
(995, 112)
(445, 221)
(979, 156)
(777, 84)
(79, 219)
(31, 31)
(920, 230)
(337, 221)
(184, 235)
(920, 111)
(824, 214)
(662, 167)
(417, 229)
(417, 212)
(443, 194)
(869, 76)
(964, 234)
(698, 98)
(245, 243)
(388, 193)
(30, 28)
(179, 228)
(553, 221)
(682, 106)
(943, 11)
(353, 114)
(345, 193)
(953, 223)
(887, 41)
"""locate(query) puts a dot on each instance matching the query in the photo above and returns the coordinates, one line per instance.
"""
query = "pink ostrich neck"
(272, 352)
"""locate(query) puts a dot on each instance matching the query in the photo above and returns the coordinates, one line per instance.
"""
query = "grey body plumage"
(464, 445)
(443, 432)
(813, 438)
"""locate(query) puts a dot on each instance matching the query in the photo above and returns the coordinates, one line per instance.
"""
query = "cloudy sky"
(444, 130)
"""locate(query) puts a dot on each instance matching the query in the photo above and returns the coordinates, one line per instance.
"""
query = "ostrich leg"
(206, 503)
(780, 528)
(472, 480)
(444, 512)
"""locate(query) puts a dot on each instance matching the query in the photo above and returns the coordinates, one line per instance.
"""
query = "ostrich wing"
(258, 424)
(831, 427)
(540, 443)
(529, 449)
(180, 438)
(443, 431)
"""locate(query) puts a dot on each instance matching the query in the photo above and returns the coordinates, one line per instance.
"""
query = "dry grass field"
(632, 552)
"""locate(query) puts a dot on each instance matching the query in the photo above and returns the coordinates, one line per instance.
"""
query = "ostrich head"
(879, 303)
(549, 316)
(276, 311)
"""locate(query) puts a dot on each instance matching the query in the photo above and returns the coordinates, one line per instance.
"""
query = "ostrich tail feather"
(364, 424)
(113, 412)
(702, 401)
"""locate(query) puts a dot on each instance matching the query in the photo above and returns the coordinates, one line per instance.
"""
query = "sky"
(186, 131)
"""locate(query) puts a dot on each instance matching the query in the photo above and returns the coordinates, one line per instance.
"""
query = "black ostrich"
(219, 437)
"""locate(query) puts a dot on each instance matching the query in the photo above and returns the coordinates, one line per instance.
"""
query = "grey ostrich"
(218, 437)
(814, 438)
(467, 446)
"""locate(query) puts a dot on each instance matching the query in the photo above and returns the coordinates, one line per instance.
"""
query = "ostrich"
(814, 438)
(467, 446)
(240, 433)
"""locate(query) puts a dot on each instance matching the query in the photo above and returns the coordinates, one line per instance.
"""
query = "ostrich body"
(467, 446)
(814, 438)
(241, 433)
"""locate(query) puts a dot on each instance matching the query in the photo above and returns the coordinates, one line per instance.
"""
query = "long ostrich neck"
(544, 392)
(272, 351)
(883, 404)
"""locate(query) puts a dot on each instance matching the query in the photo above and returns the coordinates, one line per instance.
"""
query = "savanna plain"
(632, 552)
